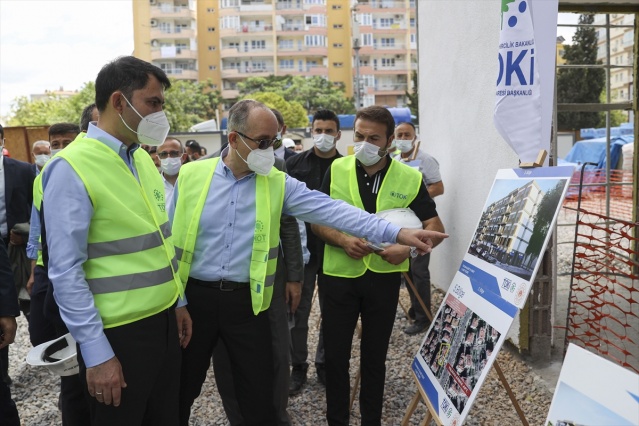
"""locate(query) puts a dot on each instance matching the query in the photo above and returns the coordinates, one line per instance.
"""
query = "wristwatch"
(413, 252)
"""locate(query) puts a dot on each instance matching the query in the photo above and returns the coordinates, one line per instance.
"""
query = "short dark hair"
(326, 115)
(193, 145)
(85, 119)
(377, 114)
(406, 122)
(63, 129)
(278, 115)
(127, 74)
(1, 132)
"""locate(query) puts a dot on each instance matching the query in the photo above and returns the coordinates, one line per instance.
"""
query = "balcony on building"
(230, 90)
(171, 33)
(170, 10)
(173, 52)
(181, 74)
(244, 69)
(379, 6)
(389, 88)
(305, 68)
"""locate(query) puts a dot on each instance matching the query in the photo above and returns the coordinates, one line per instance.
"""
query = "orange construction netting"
(603, 310)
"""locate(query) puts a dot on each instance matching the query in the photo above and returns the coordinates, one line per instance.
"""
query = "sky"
(48, 44)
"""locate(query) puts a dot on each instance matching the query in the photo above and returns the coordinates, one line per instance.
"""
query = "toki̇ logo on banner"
(518, 98)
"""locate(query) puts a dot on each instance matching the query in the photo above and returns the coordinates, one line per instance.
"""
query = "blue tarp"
(594, 151)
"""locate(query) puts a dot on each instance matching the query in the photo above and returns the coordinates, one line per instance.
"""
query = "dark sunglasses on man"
(262, 143)
(172, 154)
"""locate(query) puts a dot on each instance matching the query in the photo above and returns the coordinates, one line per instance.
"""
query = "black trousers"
(149, 352)
(40, 328)
(8, 411)
(228, 315)
(373, 296)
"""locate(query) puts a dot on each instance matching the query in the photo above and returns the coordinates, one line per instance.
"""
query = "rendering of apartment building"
(506, 226)
(227, 41)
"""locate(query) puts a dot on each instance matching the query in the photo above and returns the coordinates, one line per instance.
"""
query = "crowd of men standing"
(157, 275)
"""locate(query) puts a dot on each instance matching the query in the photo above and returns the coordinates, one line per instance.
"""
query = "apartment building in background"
(227, 41)
(621, 48)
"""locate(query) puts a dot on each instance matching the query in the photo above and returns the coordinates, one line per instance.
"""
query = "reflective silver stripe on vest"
(273, 252)
(130, 281)
(166, 229)
(174, 262)
(125, 245)
(178, 252)
(269, 280)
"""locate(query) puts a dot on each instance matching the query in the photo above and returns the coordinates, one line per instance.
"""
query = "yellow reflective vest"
(399, 188)
(131, 267)
(193, 187)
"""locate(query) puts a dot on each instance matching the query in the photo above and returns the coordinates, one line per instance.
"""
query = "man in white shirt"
(172, 155)
(410, 153)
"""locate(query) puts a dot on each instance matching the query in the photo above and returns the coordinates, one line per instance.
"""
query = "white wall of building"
(457, 74)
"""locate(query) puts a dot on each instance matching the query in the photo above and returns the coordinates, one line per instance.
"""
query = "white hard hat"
(288, 142)
(58, 355)
(404, 218)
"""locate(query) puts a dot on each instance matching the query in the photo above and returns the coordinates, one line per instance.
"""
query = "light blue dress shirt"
(67, 213)
(225, 236)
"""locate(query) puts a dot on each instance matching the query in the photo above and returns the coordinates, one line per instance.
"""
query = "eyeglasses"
(172, 154)
(262, 143)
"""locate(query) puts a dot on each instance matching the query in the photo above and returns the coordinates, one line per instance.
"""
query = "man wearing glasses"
(226, 220)
(172, 156)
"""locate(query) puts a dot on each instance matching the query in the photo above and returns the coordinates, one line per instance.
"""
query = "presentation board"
(491, 285)
(594, 391)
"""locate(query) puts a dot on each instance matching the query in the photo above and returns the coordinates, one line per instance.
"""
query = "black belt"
(220, 285)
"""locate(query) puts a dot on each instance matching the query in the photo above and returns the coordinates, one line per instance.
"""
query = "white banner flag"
(518, 103)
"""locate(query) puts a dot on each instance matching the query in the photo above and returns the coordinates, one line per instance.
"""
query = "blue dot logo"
(512, 21)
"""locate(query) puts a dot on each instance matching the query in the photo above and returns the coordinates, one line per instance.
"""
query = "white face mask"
(55, 151)
(404, 145)
(42, 159)
(324, 142)
(171, 166)
(367, 153)
(259, 160)
(152, 129)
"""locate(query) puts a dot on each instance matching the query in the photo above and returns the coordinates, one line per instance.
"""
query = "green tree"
(189, 103)
(543, 218)
(580, 85)
(413, 98)
(52, 109)
(312, 93)
(294, 114)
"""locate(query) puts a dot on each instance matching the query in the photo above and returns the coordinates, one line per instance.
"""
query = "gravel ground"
(36, 391)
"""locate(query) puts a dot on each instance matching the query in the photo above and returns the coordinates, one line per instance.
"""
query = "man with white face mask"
(226, 223)
(409, 153)
(360, 278)
(172, 155)
(41, 153)
(310, 168)
(107, 244)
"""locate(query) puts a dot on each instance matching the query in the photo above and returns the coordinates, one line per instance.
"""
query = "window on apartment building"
(230, 3)
(338, 64)
(388, 42)
(412, 22)
(388, 62)
(285, 44)
(386, 22)
(210, 10)
(258, 44)
(320, 2)
(338, 45)
(365, 19)
(413, 41)
(314, 40)
(337, 6)
(211, 47)
(212, 67)
(230, 22)
(315, 20)
(367, 39)
(211, 29)
(259, 65)
(338, 26)
(287, 64)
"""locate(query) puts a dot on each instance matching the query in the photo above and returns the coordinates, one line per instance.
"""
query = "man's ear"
(232, 138)
(390, 141)
(339, 135)
(117, 101)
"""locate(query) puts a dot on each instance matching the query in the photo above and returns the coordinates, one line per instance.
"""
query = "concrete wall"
(457, 75)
